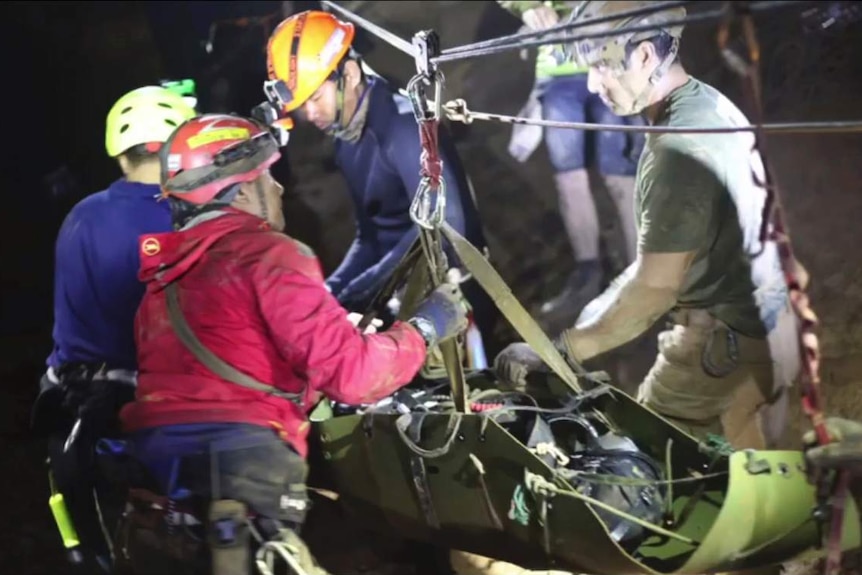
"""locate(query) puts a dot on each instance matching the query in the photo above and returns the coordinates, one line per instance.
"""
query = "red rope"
(430, 162)
(812, 397)
(809, 380)
(480, 407)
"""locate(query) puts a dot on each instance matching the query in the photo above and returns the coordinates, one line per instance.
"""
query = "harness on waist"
(89, 371)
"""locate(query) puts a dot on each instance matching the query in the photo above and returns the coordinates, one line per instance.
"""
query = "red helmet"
(208, 153)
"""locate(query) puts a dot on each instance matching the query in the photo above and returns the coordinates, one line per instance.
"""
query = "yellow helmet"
(611, 49)
(145, 115)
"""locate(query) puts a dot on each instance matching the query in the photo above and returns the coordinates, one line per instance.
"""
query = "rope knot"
(549, 448)
(456, 111)
(538, 485)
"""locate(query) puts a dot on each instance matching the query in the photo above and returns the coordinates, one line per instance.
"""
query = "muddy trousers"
(230, 464)
(709, 379)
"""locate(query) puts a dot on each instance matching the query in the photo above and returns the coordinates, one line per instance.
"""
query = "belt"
(87, 371)
(693, 317)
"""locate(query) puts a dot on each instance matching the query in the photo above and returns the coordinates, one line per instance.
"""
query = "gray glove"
(442, 315)
(514, 363)
(845, 452)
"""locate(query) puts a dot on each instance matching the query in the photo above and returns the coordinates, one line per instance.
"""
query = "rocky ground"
(807, 77)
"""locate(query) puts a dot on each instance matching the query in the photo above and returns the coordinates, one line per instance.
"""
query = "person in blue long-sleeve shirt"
(96, 288)
(383, 194)
(377, 149)
(91, 370)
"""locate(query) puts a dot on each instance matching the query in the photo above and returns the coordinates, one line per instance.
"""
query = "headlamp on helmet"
(267, 114)
(278, 94)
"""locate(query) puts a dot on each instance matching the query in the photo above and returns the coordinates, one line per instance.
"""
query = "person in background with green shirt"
(561, 92)
(731, 349)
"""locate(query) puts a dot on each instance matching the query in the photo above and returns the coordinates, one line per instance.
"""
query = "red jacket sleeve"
(312, 332)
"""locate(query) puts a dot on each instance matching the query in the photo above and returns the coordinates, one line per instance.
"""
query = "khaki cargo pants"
(708, 378)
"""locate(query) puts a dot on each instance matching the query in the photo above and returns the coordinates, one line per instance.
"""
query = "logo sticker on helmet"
(151, 247)
(204, 138)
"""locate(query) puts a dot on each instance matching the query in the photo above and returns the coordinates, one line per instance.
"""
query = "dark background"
(65, 63)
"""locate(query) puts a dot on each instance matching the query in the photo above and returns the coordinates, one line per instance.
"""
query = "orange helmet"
(302, 53)
(211, 152)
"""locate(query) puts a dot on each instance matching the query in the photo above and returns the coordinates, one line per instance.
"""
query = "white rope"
(457, 111)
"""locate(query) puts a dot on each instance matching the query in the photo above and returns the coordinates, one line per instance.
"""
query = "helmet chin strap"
(337, 126)
(261, 198)
(640, 100)
(350, 129)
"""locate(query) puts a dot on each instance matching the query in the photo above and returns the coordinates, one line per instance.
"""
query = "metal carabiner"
(439, 80)
(419, 207)
(422, 212)
(416, 92)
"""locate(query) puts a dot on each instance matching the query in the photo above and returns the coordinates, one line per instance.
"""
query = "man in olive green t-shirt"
(732, 349)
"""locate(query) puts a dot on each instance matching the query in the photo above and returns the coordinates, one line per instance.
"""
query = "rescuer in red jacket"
(238, 337)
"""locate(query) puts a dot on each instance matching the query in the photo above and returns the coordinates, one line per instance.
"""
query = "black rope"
(566, 27)
(559, 34)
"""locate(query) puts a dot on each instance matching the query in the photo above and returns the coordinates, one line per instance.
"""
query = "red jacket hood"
(165, 257)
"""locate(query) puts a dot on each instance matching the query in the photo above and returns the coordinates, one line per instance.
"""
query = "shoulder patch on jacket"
(150, 246)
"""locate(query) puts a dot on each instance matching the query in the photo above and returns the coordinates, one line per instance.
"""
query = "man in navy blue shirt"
(92, 368)
(313, 66)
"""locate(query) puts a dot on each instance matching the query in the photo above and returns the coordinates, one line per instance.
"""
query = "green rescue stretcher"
(470, 479)
(476, 487)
